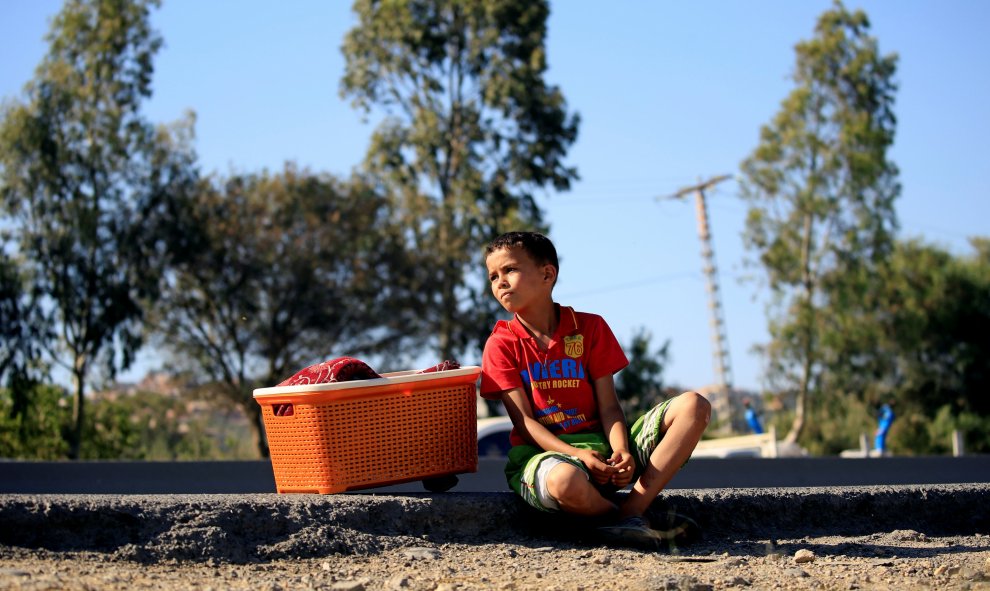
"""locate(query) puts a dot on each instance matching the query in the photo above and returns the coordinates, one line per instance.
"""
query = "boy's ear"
(549, 273)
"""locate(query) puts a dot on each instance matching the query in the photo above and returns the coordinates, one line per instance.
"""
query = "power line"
(632, 285)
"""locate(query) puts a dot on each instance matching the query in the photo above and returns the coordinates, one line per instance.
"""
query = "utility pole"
(720, 342)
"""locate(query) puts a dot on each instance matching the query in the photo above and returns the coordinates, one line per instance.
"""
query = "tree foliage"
(150, 426)
(472, 130)
(938, 331)
(22, 331)
(930, 346)
(640, 385)
(278, 271)
(80, 172)
(27, 428)
(915, 333)
(33, 421)
(137, 425)
(821, 192)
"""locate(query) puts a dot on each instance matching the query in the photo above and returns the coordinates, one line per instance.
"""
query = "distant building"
(160, 382)
(156, 382)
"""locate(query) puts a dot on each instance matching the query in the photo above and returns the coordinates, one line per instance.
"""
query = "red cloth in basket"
(444, 366)
(341, 369)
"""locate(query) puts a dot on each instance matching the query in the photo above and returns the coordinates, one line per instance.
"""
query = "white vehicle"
(493, 437)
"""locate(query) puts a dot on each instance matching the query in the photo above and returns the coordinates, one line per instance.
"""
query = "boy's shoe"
(676, 528)
(636, 531)
(631, 531)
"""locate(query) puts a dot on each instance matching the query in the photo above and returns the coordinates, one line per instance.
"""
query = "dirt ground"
(898, 538)
(898, 560)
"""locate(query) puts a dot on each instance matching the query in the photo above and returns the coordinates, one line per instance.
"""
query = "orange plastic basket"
(327, 438)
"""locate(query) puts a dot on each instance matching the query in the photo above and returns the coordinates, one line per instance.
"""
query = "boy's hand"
(624, 465)
(597, 465)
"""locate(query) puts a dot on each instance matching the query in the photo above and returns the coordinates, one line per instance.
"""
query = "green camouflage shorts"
(524, 460)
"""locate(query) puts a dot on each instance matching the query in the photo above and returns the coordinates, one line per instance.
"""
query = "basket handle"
(283, 410)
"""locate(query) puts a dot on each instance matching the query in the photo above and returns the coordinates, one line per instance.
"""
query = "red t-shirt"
(559, 381)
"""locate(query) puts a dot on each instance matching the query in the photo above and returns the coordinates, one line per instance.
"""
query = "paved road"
(700, 473)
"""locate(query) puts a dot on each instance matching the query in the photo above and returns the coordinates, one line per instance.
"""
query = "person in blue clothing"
(752, 419)
(885, 418)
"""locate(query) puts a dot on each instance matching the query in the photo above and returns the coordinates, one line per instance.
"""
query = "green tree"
(279, 271)
(79, 170)
(640, 385)
(935, 343)
(143, 425)
(916, 332)
(821, 191)
(938, 326)
(27, 425)
(22, 332)
(471, 131)
(32, 422)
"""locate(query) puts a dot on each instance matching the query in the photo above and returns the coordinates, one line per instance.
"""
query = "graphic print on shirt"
(574, 345)
(557, 419)
(558, 374)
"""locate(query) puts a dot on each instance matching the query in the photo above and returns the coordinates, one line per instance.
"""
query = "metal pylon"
(720, 341)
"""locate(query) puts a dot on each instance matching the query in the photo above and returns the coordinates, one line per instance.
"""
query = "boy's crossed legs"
(682, 425)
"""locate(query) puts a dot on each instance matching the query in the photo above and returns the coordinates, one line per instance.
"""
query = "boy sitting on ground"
(553, 368)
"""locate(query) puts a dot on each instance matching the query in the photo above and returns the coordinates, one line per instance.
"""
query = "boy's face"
(517, 281)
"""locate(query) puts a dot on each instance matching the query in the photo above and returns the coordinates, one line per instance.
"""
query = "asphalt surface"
(246, 528)
(123, 477)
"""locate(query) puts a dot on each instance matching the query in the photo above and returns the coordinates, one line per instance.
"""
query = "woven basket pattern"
(374, 440)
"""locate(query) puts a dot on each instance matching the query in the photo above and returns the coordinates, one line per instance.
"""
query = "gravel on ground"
(897, 560)
(899, 538)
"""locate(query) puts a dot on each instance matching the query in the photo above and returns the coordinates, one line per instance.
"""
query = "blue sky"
(669, 93)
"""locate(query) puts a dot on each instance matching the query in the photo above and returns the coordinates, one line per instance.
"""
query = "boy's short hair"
(536, 245)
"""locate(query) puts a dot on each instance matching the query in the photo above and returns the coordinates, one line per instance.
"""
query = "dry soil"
(898, 560)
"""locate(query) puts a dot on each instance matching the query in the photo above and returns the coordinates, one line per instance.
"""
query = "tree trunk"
(800, 405)
(448, 270)
(258, 427)
(78, 407)
(806, 316)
